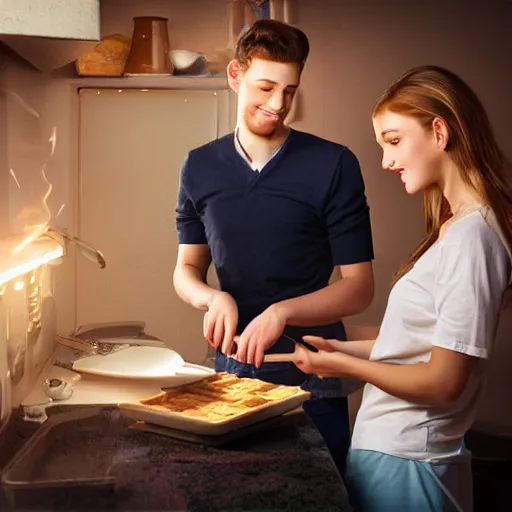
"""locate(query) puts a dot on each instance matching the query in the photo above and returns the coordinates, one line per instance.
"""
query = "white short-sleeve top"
(451, 298)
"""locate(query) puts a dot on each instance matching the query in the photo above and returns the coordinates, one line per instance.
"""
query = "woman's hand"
(327, 362)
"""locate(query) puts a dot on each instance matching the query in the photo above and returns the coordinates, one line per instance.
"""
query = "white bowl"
(187, 62)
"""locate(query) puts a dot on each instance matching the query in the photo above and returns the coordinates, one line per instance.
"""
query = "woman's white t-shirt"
(452, 299)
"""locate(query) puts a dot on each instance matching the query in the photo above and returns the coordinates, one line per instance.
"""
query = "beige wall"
(209, 33)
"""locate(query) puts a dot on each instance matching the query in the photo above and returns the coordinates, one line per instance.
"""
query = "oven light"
(23, 268)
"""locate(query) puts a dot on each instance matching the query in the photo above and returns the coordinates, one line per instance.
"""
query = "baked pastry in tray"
(220, 397)
(218, 405)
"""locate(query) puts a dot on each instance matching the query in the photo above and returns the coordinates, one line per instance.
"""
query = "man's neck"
(258, 149)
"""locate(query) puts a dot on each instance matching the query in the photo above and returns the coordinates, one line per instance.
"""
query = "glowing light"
(14, 177)
(19, 285)
(41, 229)
(34, 261)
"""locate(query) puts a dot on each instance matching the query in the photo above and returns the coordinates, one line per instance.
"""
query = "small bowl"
(186, 62)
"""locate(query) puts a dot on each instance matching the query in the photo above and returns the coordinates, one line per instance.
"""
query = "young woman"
(426, 369)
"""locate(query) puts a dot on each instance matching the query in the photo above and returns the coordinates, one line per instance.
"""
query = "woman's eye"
(266, 89)
(394, 142)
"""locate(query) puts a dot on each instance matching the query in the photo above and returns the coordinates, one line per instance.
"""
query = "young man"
(276, 210)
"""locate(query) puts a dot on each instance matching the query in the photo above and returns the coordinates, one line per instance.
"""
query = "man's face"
(265, 93)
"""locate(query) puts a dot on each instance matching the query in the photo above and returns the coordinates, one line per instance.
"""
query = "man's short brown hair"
(272, 40)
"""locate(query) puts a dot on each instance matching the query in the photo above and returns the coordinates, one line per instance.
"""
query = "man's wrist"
(204, 302)
(282, 310)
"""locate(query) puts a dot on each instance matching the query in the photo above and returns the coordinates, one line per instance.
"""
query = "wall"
(357, 48)
(197, 25)
(24, 148)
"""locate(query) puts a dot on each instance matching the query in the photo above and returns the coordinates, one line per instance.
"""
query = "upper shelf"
(148, 82)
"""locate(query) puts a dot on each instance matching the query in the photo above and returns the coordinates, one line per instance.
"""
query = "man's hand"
(220, 321)
(260, 335)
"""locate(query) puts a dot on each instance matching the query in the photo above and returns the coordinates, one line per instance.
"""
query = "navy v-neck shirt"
(277, 233)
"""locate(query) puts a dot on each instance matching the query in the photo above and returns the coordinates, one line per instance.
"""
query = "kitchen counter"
(284, 467)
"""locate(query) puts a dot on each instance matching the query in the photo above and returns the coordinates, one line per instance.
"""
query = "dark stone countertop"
(283, 467)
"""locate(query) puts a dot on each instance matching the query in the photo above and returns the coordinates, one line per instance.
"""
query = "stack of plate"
(157, 364)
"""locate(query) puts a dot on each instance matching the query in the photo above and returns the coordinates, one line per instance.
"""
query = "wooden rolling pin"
(272, 358)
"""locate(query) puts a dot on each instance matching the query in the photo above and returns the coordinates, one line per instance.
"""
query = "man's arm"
(349, 296)
(190, 275)
(221, 319)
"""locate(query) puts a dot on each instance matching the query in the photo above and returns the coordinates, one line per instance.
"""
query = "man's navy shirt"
(275, 234)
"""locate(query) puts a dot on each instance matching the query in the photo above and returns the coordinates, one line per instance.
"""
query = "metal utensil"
(301, 342)
(283, 358)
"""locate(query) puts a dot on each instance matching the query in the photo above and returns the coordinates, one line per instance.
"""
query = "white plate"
(187, 374)
(201, 426)
(134, 363)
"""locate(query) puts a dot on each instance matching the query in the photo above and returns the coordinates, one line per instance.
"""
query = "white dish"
(200, 426)
(134, 363)
(187, 62)
(187, 374)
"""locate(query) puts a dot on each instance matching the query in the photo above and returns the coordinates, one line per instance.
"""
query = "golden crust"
(219, 397)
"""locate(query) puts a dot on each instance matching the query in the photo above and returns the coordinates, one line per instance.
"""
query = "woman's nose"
(387, 164)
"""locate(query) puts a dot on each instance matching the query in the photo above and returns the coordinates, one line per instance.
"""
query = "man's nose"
(276, 101)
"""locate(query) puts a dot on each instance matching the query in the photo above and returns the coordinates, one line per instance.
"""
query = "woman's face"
(409, 150)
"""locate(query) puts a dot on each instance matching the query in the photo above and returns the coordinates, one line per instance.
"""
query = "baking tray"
(283, 421)
(70, 459)
(202, 426)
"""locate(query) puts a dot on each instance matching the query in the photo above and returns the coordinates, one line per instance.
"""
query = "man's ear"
(441, 133)
(234, 72)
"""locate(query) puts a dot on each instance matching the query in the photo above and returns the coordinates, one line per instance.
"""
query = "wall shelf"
(146, 82)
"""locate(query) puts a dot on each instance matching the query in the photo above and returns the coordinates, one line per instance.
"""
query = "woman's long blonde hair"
(428, 92)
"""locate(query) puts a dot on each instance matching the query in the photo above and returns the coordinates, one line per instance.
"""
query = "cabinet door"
(132, 145)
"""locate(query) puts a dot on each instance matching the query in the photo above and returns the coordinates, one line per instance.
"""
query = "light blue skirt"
(377, 482)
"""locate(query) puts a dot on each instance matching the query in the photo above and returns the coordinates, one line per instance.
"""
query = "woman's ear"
(234, 73)
(441, 134)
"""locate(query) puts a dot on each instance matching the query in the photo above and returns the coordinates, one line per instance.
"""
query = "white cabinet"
(132, 145)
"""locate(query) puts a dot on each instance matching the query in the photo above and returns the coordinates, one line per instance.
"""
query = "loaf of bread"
(107, 58)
